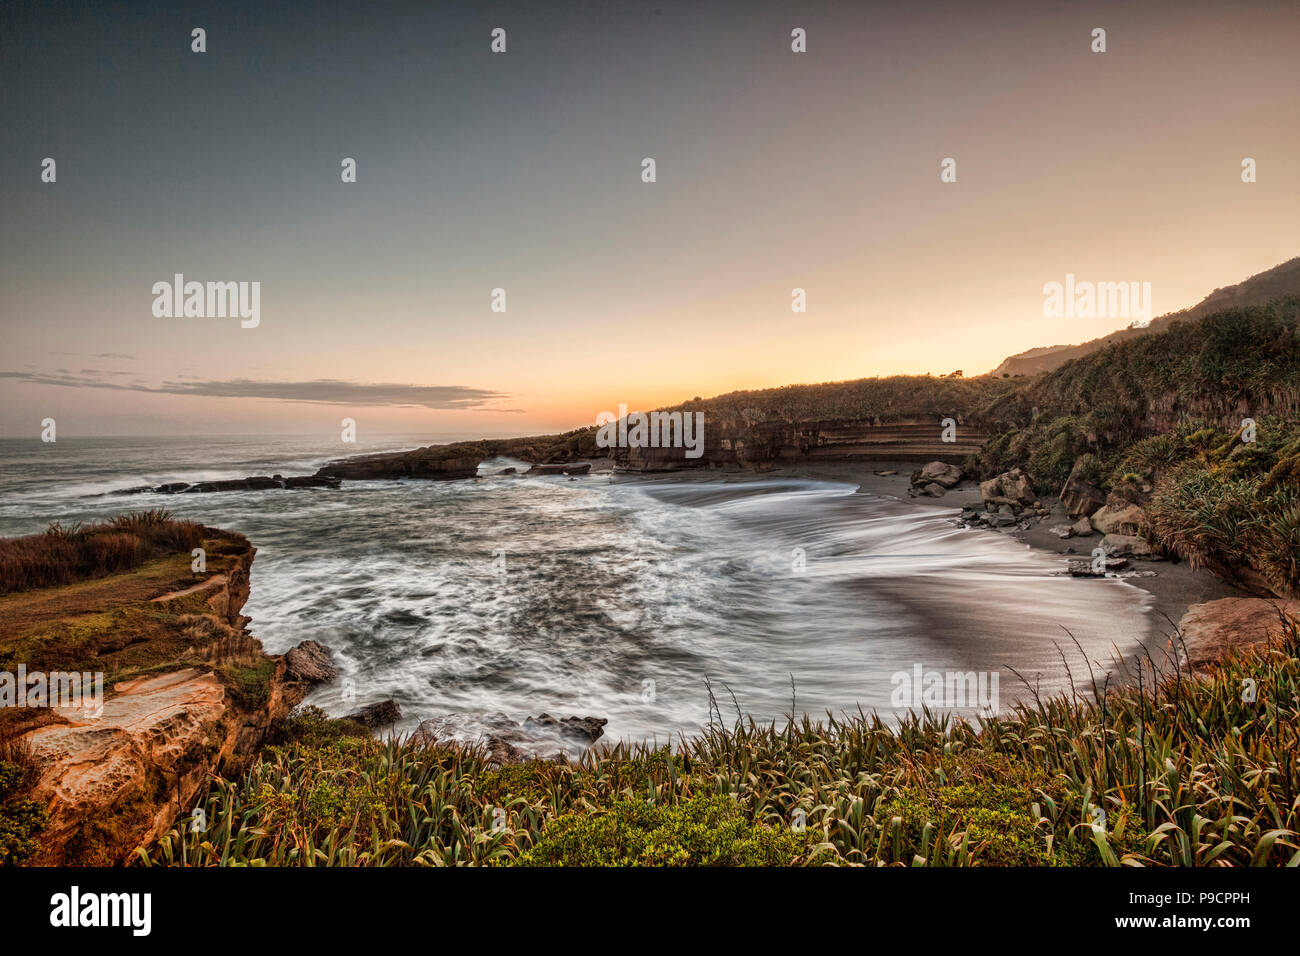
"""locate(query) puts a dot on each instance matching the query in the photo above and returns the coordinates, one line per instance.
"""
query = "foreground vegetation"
(1180, 771)
(61, 555)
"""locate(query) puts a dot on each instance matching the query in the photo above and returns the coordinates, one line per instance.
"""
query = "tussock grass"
(62, 555)
(1181, 770)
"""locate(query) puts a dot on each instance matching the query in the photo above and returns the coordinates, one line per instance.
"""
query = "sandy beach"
(1175, 586)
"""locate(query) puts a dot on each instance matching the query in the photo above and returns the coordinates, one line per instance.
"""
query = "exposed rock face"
(377, 715)
(119, 778)
(1081, 498)
(729, 444)
(1212, 628)
(311, 663)
(152, 731)
(1120, 520)
(762, 445)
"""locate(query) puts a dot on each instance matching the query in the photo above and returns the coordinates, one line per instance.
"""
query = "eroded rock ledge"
(187, 693)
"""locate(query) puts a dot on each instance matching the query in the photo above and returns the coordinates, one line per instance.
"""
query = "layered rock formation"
(187, 693)
(437, 462)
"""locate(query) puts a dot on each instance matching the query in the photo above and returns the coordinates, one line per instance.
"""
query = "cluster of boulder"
(506, 741)
(1008, 500)
(1118, 517)
(935, 479)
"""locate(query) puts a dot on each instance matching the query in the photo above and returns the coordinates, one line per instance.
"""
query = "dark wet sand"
(1175, 587)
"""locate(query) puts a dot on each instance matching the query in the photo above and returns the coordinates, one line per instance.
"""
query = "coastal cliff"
(727, 443)
(188, 694)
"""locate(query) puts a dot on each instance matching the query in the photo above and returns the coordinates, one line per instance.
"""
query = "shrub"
(62, 555)
(704, 831)
(21, 819)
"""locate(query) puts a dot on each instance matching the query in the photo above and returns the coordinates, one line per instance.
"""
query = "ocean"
(612, 596)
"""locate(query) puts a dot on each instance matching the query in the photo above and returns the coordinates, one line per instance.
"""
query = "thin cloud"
(323, 391)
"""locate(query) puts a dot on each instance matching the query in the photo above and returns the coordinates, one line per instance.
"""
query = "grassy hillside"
(1260, 289)
(891, 399)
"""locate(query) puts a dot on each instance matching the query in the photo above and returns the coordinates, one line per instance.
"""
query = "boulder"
(1118, 544)
(1081, 498)
(932, 490)
(1210, 629)
(377, 715)
(939, 473)
(1082, 528)
(1010, 488)
(1086, 569)
(585, 729)
(1123, 519)
(310, 663)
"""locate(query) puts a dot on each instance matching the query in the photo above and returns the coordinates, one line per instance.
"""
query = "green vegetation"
(62, 555)
(1164, 413)
(1178, 772)
(702, 831)
(21, 818)
(891, 399)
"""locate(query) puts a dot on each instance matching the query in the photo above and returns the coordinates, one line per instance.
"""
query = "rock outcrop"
(562, 468)
(1127, 544)
(310, 663)
(435, 462)
(374, 716)
(1120, 519)
(254, 483)
(197, 694)
(1209, 630)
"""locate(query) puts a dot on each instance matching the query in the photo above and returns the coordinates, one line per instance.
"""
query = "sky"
(522, 171)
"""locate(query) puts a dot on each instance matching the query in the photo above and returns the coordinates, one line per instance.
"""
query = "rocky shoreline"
(189, 695)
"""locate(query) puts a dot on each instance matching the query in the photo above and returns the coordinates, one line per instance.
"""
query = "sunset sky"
(522, 170)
